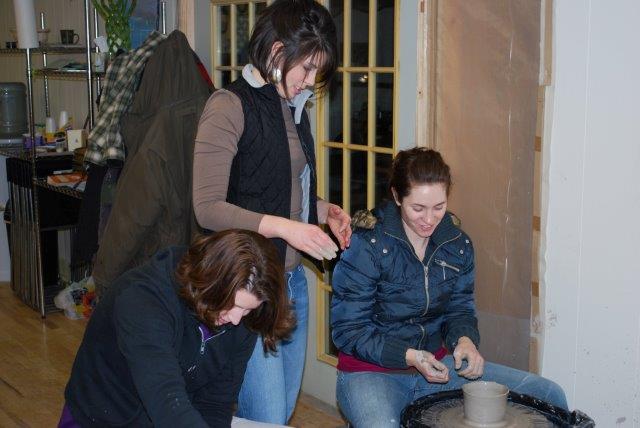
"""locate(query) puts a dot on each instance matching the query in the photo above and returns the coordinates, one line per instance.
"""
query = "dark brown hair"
(305, 28)
(216, 266)
(418, 166)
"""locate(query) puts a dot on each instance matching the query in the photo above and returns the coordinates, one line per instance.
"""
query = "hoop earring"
(276, 75)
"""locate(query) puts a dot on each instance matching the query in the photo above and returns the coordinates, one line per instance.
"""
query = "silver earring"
(276, 75)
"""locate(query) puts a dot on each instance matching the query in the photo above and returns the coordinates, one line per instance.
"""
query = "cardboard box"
(76, 138)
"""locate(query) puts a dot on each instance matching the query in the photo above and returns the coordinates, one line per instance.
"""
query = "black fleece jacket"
(142, 361)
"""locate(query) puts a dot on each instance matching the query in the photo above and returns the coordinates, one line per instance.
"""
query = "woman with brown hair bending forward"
(169, 342)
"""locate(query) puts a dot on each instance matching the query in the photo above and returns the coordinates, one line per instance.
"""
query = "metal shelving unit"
(27, 184)
(65, 74)
(27, 224)
(54, 49)
(65, 190)
(15, 152)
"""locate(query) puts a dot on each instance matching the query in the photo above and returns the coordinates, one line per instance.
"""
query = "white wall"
(591, 198)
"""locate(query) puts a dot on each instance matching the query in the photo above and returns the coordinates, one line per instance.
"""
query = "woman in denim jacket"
(403, 312)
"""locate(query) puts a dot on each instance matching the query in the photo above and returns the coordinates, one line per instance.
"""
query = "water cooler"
(13, 114)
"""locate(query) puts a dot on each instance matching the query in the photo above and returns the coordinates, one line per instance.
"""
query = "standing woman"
(254, 168)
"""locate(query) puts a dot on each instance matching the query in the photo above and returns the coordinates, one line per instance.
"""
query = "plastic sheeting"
(487, 65)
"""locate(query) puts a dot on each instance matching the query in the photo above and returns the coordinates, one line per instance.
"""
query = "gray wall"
(203, 33)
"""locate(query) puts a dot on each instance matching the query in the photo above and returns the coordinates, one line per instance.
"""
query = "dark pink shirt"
(348, 363)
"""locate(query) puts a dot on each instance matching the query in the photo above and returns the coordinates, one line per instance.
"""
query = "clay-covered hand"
(427, 364)
(340, 224)
(466, 350)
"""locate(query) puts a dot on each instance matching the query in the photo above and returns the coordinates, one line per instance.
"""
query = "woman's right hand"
(304, 237)
(427, 364)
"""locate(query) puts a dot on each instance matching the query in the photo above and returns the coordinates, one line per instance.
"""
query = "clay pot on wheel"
(485, 402)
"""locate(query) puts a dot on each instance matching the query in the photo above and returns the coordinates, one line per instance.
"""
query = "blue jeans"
(375, 400)
(272, 382)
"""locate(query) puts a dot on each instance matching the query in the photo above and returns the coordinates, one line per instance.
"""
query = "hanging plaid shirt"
(105, 141)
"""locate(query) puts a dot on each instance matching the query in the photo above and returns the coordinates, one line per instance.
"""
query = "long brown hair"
(216, 266)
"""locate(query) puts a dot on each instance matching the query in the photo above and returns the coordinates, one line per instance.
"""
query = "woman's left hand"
(340, 224)
(466, 350)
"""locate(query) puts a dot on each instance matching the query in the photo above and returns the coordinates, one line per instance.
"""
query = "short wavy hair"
(305, 28)
(216, 266)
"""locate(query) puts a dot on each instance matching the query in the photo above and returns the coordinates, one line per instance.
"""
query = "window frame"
(323, 288)
(216, 51)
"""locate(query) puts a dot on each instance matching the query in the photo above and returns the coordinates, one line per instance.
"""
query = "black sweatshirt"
(142, 361)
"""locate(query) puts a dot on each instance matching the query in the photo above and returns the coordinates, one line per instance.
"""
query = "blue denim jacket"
(386, 300)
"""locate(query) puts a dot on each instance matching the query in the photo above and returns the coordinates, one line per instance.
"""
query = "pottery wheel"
(450, 414)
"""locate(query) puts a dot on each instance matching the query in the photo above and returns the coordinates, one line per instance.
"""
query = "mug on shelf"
(69, 37)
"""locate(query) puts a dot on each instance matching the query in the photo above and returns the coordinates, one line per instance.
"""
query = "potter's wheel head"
(450, 414)
(446, 410)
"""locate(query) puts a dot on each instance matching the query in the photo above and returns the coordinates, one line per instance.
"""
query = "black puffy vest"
(260, 178)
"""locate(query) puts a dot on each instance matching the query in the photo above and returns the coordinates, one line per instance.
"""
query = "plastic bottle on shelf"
(50, 130)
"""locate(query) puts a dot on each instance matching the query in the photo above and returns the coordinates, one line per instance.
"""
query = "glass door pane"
(224, 35)
(359, 33)
(242, 34)
(334, 116)
(335, 174)
(383, 169)
(384, 109)
(358, 181)
(225, 78)
(336, 8)
(385, 23)
(359, 108)
(259, 8)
